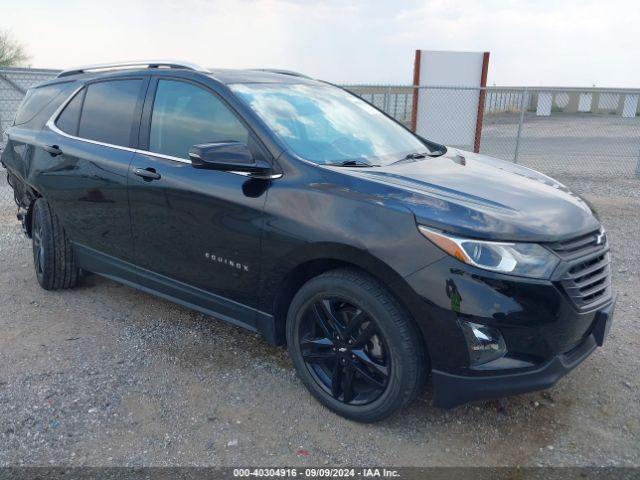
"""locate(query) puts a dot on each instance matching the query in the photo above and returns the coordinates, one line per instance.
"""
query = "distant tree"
(12, 53)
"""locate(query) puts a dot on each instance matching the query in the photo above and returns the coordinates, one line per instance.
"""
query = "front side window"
(185, 115)
(108, 111)
(325, 124)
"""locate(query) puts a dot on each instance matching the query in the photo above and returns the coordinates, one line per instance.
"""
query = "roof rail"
(123, 65)
(282, 72)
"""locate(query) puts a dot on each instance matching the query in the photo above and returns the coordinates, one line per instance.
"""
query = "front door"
(199, 227)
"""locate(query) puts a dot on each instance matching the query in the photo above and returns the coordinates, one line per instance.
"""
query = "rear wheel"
(353, 346)
(52, 253)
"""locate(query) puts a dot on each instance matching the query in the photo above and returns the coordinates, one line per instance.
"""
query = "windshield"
(327, 125)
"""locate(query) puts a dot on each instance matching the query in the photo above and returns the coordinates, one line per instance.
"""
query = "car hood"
(482, 197)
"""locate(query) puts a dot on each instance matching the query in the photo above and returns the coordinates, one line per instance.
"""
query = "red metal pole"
(481, 97)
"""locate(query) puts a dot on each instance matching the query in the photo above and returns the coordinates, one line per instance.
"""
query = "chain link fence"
(569, 133)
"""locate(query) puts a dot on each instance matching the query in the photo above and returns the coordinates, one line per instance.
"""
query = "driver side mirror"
(229, 157)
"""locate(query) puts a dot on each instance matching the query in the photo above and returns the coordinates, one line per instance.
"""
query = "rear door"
(85, 178)
(200, 227)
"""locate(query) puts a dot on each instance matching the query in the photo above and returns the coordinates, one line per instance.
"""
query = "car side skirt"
(173, 290)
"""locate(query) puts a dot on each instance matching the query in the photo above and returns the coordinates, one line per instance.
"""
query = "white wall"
(449, 116)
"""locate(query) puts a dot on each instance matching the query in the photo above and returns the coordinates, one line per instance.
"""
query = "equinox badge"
(226, 261)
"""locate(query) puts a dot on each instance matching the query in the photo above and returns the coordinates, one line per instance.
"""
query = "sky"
(532, 42)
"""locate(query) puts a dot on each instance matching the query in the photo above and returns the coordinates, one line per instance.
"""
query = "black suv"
(295, 209)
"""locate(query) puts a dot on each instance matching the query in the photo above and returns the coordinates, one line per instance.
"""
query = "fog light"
(484, 343)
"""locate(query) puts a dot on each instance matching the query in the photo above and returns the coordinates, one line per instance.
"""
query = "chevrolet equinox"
(293, 208)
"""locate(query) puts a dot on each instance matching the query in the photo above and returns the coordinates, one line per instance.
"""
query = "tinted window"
(70, 116)
(36, 100)
(185, 115)
(108, 111)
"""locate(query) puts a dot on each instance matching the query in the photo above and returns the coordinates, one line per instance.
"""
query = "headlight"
(524, 259)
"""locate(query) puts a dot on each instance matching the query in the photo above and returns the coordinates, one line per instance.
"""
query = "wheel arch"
(327, 257)
(28, 217)
(25, 197)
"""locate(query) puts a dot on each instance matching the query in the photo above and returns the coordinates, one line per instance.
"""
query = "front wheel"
(353, 346)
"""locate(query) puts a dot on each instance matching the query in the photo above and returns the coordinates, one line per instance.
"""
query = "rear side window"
(36, 100)
(185, 115)
(69, 119)
(108, 111)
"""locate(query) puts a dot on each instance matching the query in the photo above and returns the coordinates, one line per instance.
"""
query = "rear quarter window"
(70, 117)
(37, 99)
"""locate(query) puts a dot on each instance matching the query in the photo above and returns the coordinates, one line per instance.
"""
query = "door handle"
(54, 150)
(147, 173)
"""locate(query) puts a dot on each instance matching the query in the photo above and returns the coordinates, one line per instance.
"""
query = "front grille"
(581, 246)
(587, 281)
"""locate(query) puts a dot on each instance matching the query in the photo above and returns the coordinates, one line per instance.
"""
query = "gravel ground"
(106, 375)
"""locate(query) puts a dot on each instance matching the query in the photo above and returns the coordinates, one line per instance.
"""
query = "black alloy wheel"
(353, 345)
(38, 250)
(344, 351)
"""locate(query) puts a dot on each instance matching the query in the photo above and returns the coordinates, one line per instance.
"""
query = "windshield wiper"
(351, 163)
(418, 156)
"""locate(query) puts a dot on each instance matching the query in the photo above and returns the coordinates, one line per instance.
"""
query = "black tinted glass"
(185, 115)
(70, 116)
(36, 100)
(108, 111)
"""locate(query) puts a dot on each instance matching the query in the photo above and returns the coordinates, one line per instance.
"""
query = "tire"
(52, 254)
(378, 377)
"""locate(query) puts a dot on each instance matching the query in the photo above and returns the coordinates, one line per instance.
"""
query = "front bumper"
(452, 390)
(545, 333)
